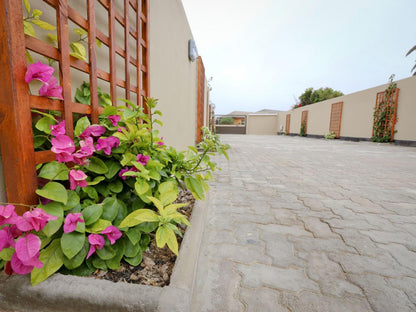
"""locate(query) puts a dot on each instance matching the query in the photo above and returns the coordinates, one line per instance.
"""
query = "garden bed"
(73, 293)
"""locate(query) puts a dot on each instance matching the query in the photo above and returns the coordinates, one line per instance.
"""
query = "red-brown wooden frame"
(16, 137)
(201, 98)
(287, 129)
(389, 98)
(335, 120)
(304, 119)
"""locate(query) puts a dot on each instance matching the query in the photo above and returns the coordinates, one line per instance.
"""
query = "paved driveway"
(300, 224)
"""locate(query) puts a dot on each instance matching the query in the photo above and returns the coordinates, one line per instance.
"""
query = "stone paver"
(300, 224)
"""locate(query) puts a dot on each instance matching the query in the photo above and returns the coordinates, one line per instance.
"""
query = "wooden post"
(16, 138)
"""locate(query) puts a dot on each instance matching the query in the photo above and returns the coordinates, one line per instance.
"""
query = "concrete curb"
(73, 293)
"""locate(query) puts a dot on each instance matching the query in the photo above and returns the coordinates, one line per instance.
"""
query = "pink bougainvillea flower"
(112, 233)
(94, 130)
(86, 150)
(106, 144)
(96, 242)
(142, 159)
(39, 71)
(160, 143)
(7, 215)
(6, 238)
(58, 129)
(26, 256)
(114, 119)
(77, 178)
(51, 89)
(63, 147)
(15, 232)
(34, 220)
(71, 222)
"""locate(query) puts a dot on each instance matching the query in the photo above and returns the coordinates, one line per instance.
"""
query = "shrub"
(227, 121)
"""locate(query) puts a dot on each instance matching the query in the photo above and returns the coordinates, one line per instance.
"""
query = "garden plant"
(109, 187)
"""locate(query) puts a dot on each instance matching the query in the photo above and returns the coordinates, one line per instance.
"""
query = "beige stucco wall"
(262, 124)
(357, 114)
(173, 77)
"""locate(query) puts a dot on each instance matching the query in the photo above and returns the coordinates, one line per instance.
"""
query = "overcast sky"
(265, 53)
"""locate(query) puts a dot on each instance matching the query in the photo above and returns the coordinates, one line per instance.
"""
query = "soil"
(157, 264)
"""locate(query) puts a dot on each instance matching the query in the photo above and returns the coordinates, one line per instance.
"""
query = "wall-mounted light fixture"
(192, 52)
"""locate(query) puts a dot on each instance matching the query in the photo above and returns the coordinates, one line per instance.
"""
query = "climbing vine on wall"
(385, 113)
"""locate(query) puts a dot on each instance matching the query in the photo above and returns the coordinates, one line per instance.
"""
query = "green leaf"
(7, 253)
(72, 243)
(78, 49)
(54, 191)
(52, 259)
(135, 261)
(28, 29)
(134, 234)
(98, 42)
(106, 253)
(195, 186)
(29, 58)
(36, 13)
(99, 226)
(144, 242)
(157, 203)
(91, 192)
(166, 235)
(99, 264)
(139, 216)
(81, 32)
(147, 227)
(92, 213)
(53, 39)
(116, 186)
(110, 208)
(110, 110)
(96, 180)
(172, 208)
(97, 165)
(78, 259)
(73, 200)
(43, 24)
(119, 247)
(81, 125)
(141, 186)
(27, 5)
(113, 168)
(54, 171)
(44, 124)
(131, 249)
(57, 210)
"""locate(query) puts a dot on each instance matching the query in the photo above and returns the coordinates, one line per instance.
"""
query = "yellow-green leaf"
(98, 43)
(43, 24)
(158, 204)
(141, 186)
(98, 226)
(139, 216)
(80, 31)
(78, 56)
(165, 235)
(36, 13)
(52, 259)
(28, 29)
(172, 208)
(78, 48)
(53, 38)
(27, 6)
(29, 58)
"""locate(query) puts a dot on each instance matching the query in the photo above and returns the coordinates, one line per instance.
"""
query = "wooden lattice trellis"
(335, 121)
(304, 120)
(287, 129)
(385, 113)
(16, 137)
(201, 97)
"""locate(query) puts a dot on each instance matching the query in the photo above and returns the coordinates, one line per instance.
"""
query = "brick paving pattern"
(299, 224)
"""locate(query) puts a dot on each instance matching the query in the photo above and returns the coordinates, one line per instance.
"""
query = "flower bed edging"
(73, 293)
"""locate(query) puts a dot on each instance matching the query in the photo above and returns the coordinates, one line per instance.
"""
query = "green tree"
(227, 121)
(313, 96)
(414, 67)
